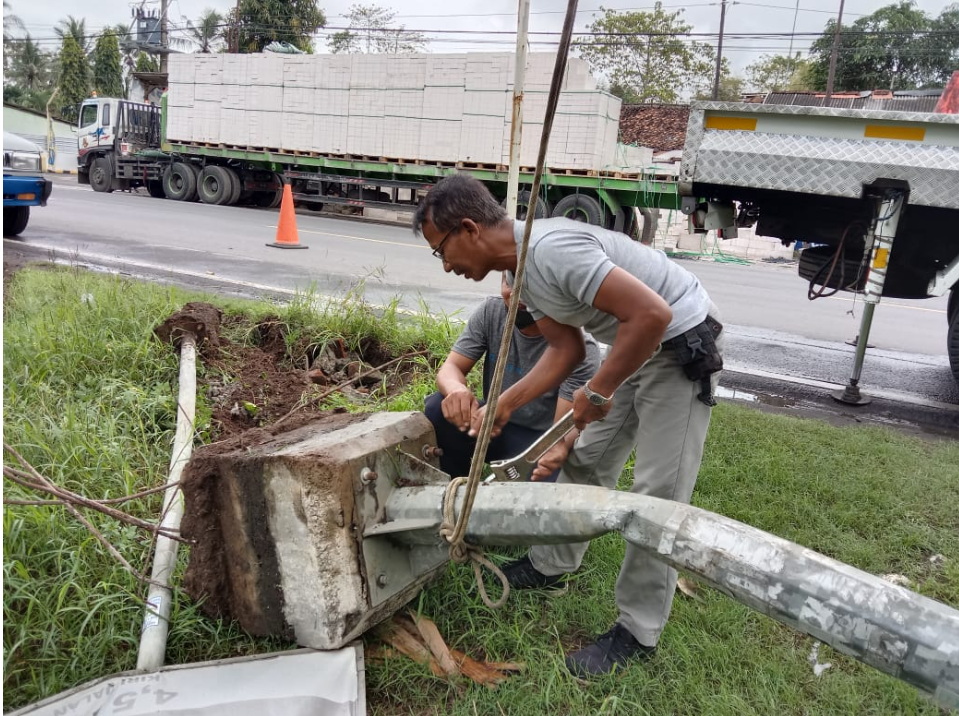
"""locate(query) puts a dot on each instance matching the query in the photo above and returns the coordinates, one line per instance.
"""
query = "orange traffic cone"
(287, 236)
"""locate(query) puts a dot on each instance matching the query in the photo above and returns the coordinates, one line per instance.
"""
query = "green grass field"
(89, 400)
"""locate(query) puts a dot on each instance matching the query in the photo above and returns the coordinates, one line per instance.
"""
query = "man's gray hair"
(458, 197)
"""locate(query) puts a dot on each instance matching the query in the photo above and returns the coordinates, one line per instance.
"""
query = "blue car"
(23, 184)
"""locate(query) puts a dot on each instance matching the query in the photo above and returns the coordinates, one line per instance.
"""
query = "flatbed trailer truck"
(122, 145)
(876, 193)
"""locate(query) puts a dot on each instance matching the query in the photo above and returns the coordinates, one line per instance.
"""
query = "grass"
(89, 398)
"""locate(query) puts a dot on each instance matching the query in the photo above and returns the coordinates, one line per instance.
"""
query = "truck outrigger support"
(889, 201)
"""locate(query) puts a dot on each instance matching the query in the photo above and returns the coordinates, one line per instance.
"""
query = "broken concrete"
(279, 527)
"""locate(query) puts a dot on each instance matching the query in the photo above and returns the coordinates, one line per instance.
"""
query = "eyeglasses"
(438, 251)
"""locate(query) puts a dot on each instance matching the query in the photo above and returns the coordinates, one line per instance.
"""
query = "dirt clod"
(200, 319)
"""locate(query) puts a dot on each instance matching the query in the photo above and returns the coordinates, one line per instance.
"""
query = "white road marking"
(894, 305)
(360, 238)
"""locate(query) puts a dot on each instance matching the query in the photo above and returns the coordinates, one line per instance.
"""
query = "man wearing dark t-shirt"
(453, 406)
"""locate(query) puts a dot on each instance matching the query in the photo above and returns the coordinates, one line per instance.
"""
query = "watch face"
(596, 399)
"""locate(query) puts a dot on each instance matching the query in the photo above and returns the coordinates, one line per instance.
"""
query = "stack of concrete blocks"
(428, 107)
(673, 234)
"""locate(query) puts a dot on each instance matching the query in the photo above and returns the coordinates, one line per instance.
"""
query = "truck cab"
(112, 135)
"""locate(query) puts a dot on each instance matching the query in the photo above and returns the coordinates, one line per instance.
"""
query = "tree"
(645, 55)
(730, 86)
(74, 81)
(146, 63)
(30, 66)
(11, 23)
(371, 31)
(778, 73)
(77, 29)
(207, 31)
(896, 47)
(261, 22)
(107, 73)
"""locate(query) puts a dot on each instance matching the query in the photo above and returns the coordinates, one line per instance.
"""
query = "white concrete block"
(406, 72)
(265, 98)
(332, 101)
(487, 102)
(181, 69)
(299, 71)
(180, 95)
(208, 93)
(266, 128)
(265, 69)
(443, 102)
(297, 134)
(299, 100)
(333, 71)
(234, 128)
(365, 135)
(367, 102)
(330, 133)
(236, 97)
(403, 103)
(209, 69)
(440, 139)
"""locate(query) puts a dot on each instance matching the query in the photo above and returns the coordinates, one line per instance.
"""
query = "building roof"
(900, 101)
(659, 126)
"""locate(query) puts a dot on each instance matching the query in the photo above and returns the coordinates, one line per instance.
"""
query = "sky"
(745, 16)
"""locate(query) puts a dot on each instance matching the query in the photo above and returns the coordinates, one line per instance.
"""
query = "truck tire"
(952, 343)
(155, 187)
(522, 206)
(952, 307)
(101, 174)
(15, 219)
(579, 207)
(179, 182)
(237, 182)
(215, 185)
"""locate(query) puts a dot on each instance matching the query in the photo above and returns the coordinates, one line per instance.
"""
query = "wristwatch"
(593, 397)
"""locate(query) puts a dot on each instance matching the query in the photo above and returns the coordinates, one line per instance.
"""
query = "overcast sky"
(748, 16)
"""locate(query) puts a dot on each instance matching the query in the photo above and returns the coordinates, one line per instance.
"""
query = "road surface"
(773, 328)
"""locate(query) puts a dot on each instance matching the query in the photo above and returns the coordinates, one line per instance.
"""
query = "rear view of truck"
(875, 192)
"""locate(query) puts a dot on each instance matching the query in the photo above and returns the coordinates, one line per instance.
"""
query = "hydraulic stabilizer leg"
(891, 628)
(883, 232)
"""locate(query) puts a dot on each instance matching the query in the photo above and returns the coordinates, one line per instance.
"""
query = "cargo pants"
(656, 412)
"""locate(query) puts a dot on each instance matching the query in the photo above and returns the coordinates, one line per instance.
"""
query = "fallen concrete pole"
(891, 628)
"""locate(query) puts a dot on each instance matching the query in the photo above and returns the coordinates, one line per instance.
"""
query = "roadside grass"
(89, 399)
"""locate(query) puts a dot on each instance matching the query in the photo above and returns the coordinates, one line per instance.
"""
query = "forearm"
(450, 379)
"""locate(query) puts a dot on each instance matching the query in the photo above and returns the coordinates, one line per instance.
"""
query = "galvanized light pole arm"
(893, 629)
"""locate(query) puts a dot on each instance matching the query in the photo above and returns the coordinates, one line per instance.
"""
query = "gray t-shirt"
(483, 335)
(568, 261)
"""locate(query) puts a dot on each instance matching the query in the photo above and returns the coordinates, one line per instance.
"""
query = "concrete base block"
(283, 527)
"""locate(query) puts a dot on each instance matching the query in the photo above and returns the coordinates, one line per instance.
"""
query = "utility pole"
(516, 126)
(719, 50)
(832, 58)
(235, 39)
(164, 6)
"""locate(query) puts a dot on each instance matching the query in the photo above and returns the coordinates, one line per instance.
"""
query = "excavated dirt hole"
(250, 387)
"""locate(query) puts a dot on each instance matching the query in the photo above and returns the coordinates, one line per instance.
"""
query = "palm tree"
(30, 69)
(77, 28)
(207, 30)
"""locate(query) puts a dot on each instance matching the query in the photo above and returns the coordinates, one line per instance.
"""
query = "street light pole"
(832, 58)
(164, 6)
(719, 50)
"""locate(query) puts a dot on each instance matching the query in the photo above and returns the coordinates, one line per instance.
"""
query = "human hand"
(503, 414)
(458, 408)
(584, 412)
(551, 460)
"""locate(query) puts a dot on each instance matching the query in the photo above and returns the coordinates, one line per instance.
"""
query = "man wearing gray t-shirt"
(652, 394)
(451, 409)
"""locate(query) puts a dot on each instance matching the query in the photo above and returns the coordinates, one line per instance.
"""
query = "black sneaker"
(610, 651)
(521, 574)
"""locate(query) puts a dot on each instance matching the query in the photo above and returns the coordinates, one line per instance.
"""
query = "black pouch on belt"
(699, 355)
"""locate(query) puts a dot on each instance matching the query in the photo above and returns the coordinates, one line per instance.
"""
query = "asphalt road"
(773, 328)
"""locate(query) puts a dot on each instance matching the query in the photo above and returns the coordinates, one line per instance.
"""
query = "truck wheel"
(522, 206)
(952, 307)
(237, 182)
(215, 185)
(952, 343)
(155, 187)
(101, 174)
(15, 219)
(579, 207)
(179, 182)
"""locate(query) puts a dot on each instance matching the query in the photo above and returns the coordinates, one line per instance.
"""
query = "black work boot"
(612, 650)
(521, 574)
